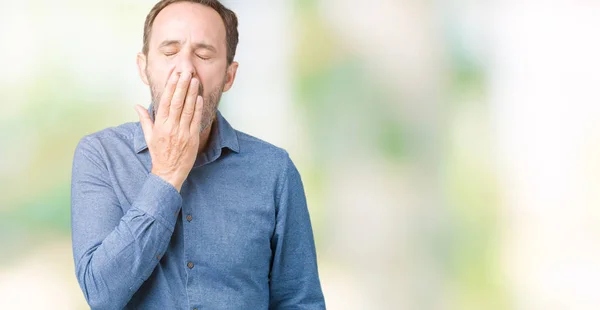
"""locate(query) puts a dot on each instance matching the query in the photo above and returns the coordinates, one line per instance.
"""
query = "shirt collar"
(222, 135)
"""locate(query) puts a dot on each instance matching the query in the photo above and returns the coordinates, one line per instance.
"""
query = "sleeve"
(115, 253)
(294, 278)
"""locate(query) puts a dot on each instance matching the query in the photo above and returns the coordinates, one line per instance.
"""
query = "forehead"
(187, 21)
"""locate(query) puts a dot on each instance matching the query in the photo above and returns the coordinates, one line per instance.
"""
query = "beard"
(209, 110)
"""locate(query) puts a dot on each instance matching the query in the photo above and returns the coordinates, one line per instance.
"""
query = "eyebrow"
(195, 45)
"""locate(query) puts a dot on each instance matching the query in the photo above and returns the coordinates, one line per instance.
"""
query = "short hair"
(228, 16)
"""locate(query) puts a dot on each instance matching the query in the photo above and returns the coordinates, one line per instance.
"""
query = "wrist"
(169, 178)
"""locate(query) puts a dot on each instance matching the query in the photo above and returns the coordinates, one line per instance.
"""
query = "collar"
(222, 135)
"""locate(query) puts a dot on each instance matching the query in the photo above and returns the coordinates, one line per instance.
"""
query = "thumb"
(145, 120)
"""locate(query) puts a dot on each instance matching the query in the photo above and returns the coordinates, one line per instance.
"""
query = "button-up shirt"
(237, 236)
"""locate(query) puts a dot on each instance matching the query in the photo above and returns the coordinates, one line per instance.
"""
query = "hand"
(174, 137)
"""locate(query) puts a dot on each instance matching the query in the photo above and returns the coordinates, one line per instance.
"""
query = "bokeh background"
(450, 150)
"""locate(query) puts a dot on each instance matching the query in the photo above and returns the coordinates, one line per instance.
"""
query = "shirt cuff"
(159, 199)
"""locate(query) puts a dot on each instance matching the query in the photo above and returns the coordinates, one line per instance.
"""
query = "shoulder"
(263, 151)
(124, 131)
(99, 146)
(111, 137)
(268, 157)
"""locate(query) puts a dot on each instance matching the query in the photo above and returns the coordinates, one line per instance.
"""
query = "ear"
(142, 62)
(231, 71)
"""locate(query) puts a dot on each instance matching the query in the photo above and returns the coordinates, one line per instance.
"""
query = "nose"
(186, 63)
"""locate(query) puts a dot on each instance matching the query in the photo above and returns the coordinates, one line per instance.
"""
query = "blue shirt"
(237, 236)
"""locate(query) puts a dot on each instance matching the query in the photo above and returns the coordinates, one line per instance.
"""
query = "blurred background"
(450, 150)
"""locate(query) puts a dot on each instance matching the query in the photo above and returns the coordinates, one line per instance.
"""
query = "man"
(179, 210)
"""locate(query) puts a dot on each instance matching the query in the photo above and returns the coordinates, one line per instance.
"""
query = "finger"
(179, 97)
(145, 121)
(165, 101)
(190, 104)
(197, 120)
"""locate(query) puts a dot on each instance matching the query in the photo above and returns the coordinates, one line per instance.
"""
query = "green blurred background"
(449, 149)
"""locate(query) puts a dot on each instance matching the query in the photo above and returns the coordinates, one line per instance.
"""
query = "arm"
(114, 252)
(294, 278)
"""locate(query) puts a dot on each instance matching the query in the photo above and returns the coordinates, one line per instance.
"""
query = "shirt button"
(188, 218)
(190, 265)
(158, 257)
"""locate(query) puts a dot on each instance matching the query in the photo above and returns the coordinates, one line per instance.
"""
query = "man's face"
(192, 38)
